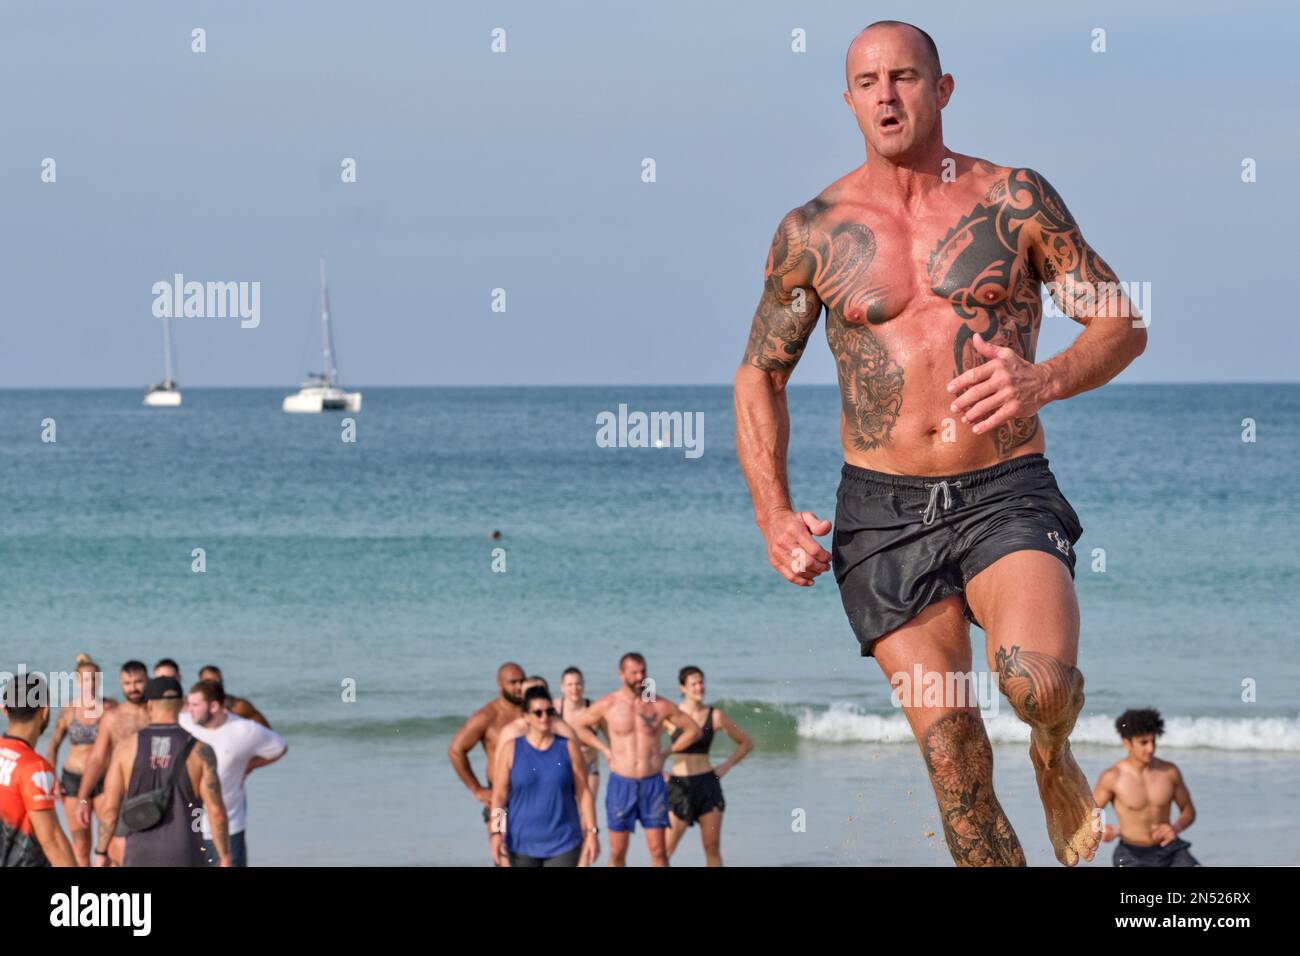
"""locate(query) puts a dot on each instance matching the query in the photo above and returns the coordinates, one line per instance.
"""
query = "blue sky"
(522, 171)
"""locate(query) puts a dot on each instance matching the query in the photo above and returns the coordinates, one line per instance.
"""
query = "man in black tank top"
(146, 763)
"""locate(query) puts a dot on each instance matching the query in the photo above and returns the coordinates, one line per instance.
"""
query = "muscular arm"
(1183, 797)
(210, 792)
(256, 762)
(786, 315)
(572, 731)
(242, 707)
(1004, 390)
(583, 721)
(48, 833)
(1103, 794)
(114, 790)
(691, 731)
(467, 738)
(1086, 289)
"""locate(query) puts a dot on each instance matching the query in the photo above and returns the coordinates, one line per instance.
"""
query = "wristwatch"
(593, 830)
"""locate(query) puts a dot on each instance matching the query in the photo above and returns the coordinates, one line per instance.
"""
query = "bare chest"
(638, 720)
(925, 286)
(1139, 793)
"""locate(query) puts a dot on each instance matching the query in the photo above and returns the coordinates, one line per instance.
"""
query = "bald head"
(510, 679)
(927, 52)
(509, 667)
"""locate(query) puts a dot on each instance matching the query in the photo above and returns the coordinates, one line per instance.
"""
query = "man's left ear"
(946, 87)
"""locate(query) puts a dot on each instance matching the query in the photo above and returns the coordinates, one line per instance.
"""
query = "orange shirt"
(26, 784)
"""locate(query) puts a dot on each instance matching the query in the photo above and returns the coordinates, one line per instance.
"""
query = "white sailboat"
(165, 394)
(320, 392)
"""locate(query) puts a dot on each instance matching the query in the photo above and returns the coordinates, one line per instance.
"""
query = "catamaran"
(321, 392)
(165, 394)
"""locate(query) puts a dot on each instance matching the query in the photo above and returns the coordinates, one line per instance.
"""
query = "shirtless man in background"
(120, 724)
(483, 727)
(634, 720)
(1142, 787)
(929, 264)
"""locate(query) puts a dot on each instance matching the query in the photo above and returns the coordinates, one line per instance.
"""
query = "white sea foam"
(843, 723)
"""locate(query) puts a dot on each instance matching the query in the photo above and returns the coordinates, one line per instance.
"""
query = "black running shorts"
(690, 798)
(901, 542)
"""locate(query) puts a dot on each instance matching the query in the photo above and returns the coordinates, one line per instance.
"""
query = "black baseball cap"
(163, 688)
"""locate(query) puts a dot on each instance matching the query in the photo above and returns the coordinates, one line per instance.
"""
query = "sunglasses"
(548, 712)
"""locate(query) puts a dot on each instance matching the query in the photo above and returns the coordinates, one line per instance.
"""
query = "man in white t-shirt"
(241, 747)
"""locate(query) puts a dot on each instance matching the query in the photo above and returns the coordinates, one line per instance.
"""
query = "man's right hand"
(791, 547)
(83, 814)
(484, 796)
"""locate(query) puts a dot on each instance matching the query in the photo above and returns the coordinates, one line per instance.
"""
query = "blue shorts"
(628, 799)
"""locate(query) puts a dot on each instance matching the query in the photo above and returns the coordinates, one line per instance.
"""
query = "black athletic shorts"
(901, 543)
(689, 798)
(70, 781)
(1176, 853)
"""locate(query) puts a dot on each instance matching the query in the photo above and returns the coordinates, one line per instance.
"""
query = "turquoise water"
(372, 561)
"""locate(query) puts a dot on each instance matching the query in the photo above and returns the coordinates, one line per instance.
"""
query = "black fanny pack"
(146, 810)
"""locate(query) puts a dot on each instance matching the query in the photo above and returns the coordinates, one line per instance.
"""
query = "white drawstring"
(931, 511)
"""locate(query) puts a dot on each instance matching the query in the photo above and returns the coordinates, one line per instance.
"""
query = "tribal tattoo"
(994, 289)
(871, 383)
(807, 270)
(960, 761)
(788, 310)
(1045, 692)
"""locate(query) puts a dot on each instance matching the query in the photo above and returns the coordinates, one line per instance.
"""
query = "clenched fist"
(791, 547)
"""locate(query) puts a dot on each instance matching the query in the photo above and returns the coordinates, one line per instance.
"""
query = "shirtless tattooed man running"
(929, 265)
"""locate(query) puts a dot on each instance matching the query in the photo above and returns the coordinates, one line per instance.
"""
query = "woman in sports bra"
(79, 723)
(694, 784)
(570, 702)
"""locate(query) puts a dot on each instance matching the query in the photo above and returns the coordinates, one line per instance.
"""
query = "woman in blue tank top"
(543, 813)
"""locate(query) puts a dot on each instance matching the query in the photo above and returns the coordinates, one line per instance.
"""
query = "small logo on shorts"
(1061, 544)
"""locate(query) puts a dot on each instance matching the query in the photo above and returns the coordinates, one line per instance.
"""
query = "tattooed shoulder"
(207, 755)
(791, 243)
(789, 308)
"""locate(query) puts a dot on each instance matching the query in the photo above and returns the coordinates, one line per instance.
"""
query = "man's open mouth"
(890, 121)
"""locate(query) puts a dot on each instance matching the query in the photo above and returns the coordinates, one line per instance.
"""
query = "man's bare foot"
(1067, 804)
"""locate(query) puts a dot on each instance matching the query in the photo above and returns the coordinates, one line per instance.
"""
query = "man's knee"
(1045, 692)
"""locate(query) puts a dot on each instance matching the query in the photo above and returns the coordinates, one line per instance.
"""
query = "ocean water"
(330, 563)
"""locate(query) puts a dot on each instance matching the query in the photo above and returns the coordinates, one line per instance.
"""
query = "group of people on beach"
(543, 773)
(162, 770)
(543, 767)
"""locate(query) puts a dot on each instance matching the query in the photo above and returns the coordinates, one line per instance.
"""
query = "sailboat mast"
(167, 349)
(326, 339)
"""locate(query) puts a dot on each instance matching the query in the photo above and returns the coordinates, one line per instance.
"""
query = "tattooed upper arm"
(211, 780)
(1080, 282)
(788, 311)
